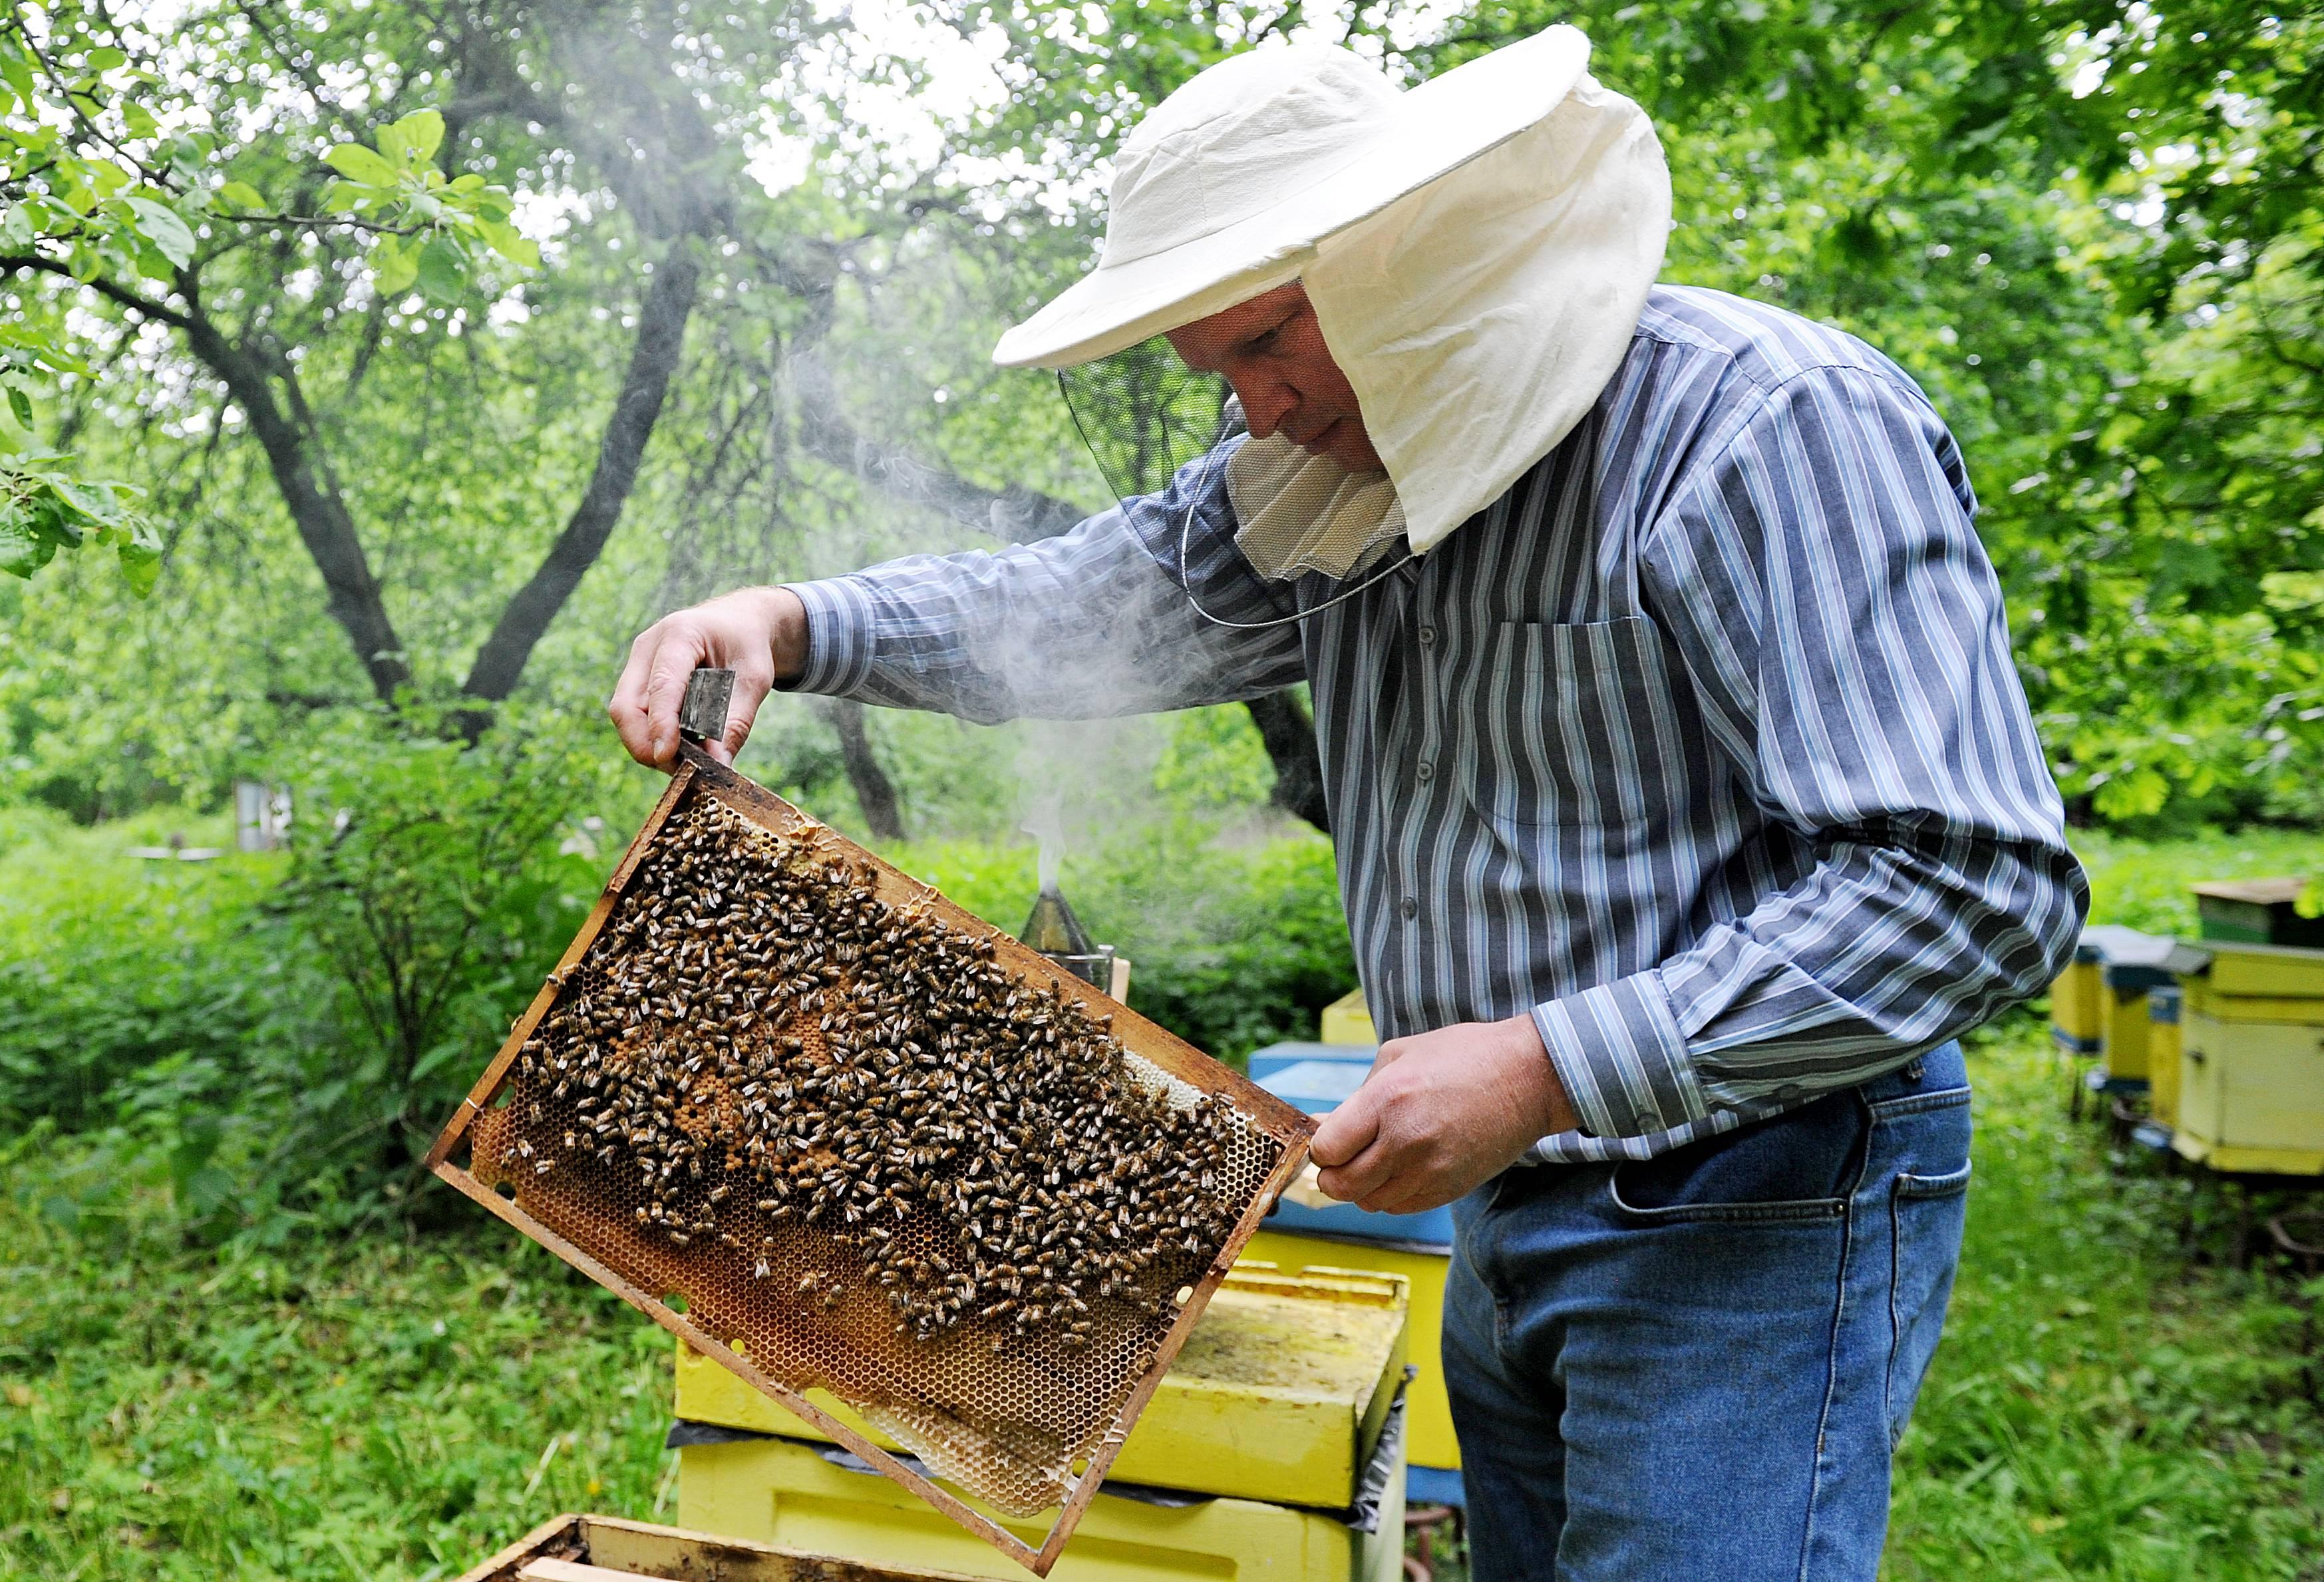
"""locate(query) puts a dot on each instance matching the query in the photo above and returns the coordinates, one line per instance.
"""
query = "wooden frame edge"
(501, 1559)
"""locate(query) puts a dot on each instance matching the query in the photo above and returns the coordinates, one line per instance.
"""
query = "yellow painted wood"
(1428, 1410)
(1279, 1395)
(2251, 1161)
(2164, 1049)
(2124, 1049)
(2251, 1095)
(1347, 1020)
(2074, 1001)
(2266, 969)
(783, 1492)
(2249, 1007)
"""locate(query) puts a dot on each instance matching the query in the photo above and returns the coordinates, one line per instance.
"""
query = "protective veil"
(1477, 250)
(1478, 319)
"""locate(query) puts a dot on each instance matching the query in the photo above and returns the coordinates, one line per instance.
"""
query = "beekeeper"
(1686, 801)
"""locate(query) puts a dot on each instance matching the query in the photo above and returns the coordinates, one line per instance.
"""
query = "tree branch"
(1289, 733)
(653, 358)
(113, 291)
(316, 510)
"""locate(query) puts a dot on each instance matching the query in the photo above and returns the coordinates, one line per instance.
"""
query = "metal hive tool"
(919, 1289)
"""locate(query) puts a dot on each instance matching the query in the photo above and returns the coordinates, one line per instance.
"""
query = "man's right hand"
(758, 633)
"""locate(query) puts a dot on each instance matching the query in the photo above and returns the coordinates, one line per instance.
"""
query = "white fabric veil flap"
(1479, 317)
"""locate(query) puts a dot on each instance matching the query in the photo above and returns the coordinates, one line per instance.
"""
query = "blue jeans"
(1696, 1365)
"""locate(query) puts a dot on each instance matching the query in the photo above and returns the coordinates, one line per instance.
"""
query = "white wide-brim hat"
(1227, 188)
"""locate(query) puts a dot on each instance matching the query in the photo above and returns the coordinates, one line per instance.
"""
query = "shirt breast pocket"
(1569, 727)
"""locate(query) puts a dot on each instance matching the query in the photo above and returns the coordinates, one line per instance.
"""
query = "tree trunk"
(653, 359)
(1288, 730)
(875, 793)
(321, 517)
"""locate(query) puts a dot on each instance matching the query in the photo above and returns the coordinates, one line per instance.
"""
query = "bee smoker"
(1053, 930)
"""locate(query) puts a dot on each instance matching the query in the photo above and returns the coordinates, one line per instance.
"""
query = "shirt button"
(1426, 771)
(1409, 907)
(1427, 636)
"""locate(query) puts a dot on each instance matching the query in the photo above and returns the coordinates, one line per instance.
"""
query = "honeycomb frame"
(482, 1179)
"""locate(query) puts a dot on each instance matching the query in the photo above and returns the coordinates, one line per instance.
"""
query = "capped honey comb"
(874, 1147)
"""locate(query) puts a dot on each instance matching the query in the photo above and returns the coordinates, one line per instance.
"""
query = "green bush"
(277, 1038)
(1233, 945)
(433, 884)
(110, 963)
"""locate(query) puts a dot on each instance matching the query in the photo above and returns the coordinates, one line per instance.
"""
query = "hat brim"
(1433, 130)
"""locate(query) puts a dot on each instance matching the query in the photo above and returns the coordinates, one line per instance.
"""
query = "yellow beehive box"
(1428, 1409)
(2126, 1029)
(1347, 1020)
(2251, 1066)
(600, 1549)
(2265, 971)
(2075, 1015)
(796, 1494)
(1279, 1393)
(2164, 1047)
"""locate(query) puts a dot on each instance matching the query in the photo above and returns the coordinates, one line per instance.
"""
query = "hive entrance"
(878, 1149)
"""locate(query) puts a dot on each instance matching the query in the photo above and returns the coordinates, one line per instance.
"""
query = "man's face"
(1272, 350)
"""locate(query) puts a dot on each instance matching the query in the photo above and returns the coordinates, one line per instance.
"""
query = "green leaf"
(423, 132)
(443, 271)
(22, 405)
(159, 224)
(510, 243)
(348, 196)
(16, 67)
(243, 195)
(358, 163)
(141, 566)
(104, 58)
(394, 266)
(140, 119)
(23, 550)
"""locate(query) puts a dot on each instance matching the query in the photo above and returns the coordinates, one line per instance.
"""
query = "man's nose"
(1265, 404)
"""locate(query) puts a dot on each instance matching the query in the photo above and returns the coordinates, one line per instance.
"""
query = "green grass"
(2143, 883)
(2108, 1403)
(371, 1411)
(2104, 1406)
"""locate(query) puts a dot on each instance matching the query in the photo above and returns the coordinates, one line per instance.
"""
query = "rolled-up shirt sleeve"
(1094, 623)
(1819, 578)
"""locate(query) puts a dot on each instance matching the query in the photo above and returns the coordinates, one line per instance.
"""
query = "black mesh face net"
(1144, 414)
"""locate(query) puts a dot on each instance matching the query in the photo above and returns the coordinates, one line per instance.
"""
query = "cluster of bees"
(763, 1044)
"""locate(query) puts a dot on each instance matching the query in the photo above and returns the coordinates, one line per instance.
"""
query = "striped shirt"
(1703, 744)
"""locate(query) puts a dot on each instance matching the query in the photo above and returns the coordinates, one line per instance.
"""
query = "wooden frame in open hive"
(1024, 1414)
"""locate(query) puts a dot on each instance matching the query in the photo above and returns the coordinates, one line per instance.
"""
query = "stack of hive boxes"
(1275, 1446)
(2250, 1090)
(1416, 1248)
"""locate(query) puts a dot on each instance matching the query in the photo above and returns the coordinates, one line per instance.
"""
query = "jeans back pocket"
(1927, 1209)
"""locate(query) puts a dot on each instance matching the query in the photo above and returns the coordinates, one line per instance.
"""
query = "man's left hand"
(1441, 1114)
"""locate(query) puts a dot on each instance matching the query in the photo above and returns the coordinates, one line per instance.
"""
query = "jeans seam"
(1895, 1319)
(1831, 1341)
